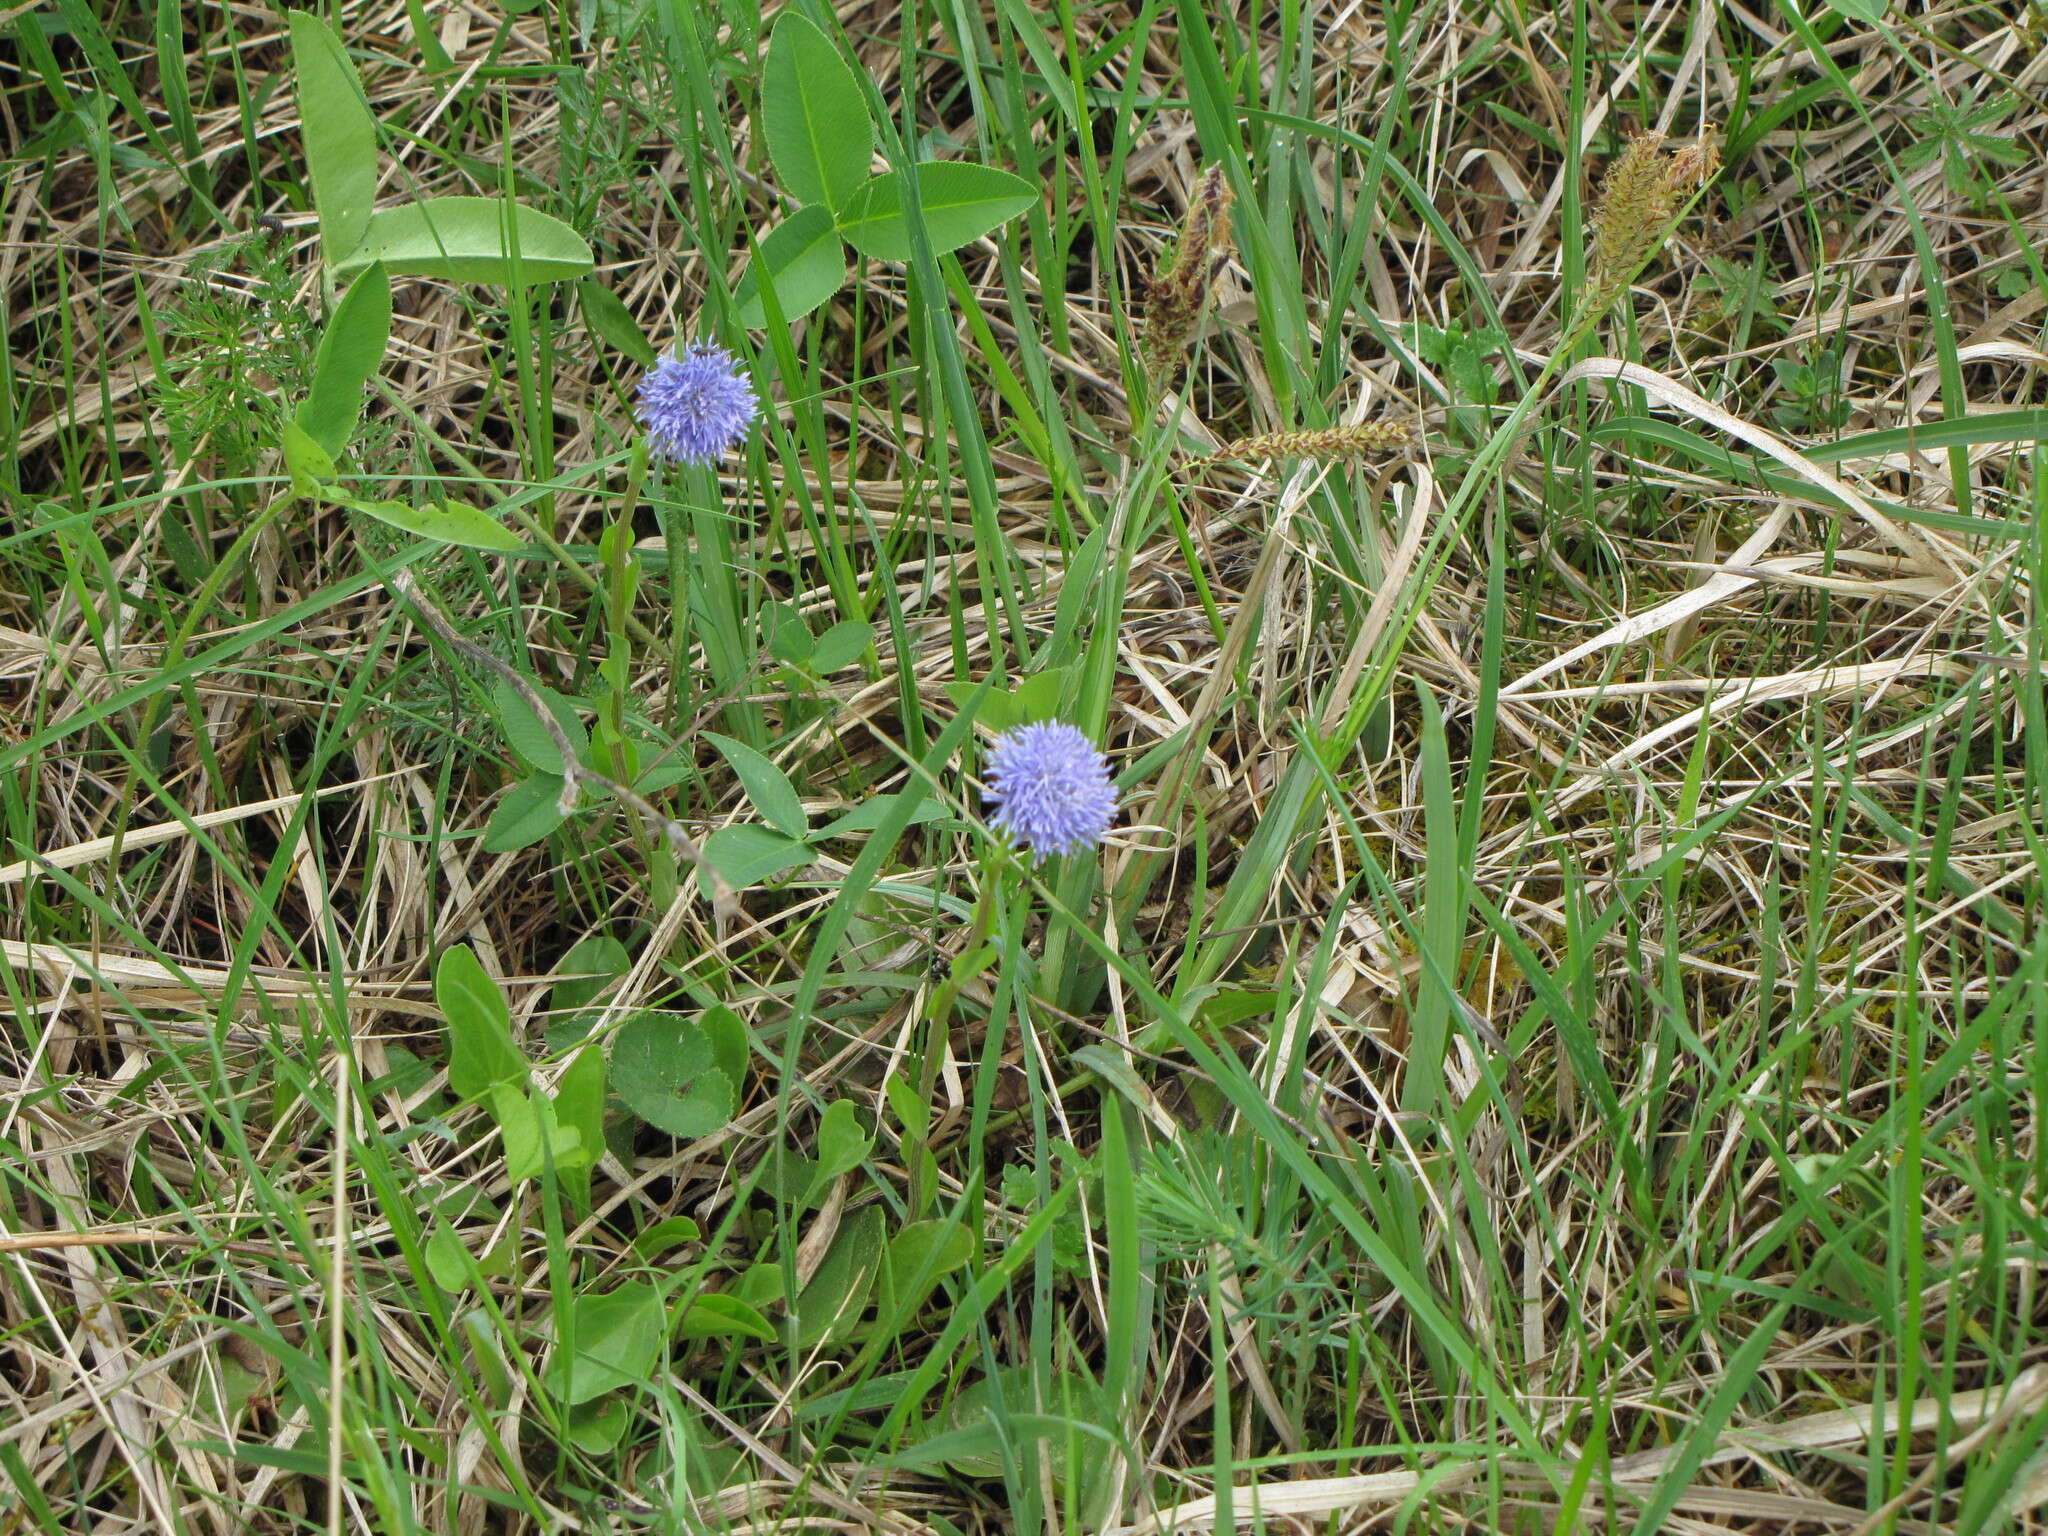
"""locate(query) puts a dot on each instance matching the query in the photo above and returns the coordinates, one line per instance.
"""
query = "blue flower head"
(1050, 787)
(695, 405)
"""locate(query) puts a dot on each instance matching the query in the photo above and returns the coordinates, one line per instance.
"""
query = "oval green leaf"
(597, 1427)
(814, 115)
(919, 1256)
(466, 240)
(832, 1303)
(666, 1234)
(339, 134)
(480, 1048)
(351, 348)
(842, 1144)
(532, 740)
(528, 813)
(805, 264)
(532, 1134)
(307, 462)
(616, 1340)
(767, 786)
(959, 202)
(448, 1262)
(666, 1071)
(842, 645)
(716, 1315)
(747, 854)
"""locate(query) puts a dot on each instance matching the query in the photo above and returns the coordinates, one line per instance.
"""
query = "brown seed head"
(1180, 291)
(1364, 440)
(1694, 165)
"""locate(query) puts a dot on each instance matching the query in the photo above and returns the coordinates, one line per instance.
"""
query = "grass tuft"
(517, 1016)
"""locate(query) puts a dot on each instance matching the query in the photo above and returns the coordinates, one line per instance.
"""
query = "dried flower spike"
(1181, 291)
(1364, 439)
(1638, 201)
(1694, 165)
(1050, 787)
(695, 406)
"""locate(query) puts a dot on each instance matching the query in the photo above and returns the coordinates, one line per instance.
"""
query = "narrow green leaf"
(448, 522)
(579, 1108)
(1444, 909)
(912, 1112)
(464, 239)
(339, 134)
(424, 38)
(871, 812)
(1114, 1067)
(959, 202)
(174, 80)
(814, 115)
(716, 1315)
(727, 1036)
(299, 1463)
(351, 348)
(804, 261)
(1126, 1331)
(481, 1051)
(609, 319)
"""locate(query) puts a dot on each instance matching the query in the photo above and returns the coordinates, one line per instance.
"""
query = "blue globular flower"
(1050, 787)
(696, 405)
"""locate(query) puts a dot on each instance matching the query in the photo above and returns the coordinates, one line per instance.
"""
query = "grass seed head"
(1641, 196)
(1180, 292)
(1366, 439)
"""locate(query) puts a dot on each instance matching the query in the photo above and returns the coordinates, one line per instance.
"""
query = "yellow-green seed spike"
(1364, 440)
